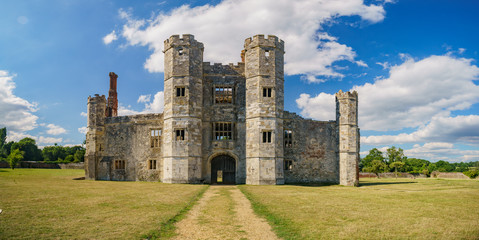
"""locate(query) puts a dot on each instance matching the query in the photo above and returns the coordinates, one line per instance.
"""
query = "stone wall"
(313, 152)
(458, 175)
(392, 175)
(127, 138)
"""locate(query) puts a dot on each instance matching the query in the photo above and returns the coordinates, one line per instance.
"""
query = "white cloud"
(48, 140)
(415, 93)
(55, 130)
(144, 98)
(223, 27)
(435, 151)
(155, 106)
(83, 130)
(110, 38)
(16, 113)
(463, 129)
(361, 63)
(83, 114)
(320, 107)
(385, 65)
(17, 136)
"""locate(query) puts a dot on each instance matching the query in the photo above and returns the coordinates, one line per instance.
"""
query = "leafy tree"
(79, 155)
(394, 154)
(3, 137)
(69, 158)
(374, 154)
(376, 167)
(29, 146)
(14, 157)
(397, 165)
(443, 166)
(7, 148)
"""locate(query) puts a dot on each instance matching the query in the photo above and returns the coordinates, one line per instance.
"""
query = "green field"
(48, 204)
(379, 209)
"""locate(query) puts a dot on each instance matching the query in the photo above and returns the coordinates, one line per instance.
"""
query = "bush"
(472, 173)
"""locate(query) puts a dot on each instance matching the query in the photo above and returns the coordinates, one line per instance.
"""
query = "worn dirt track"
(223, 213)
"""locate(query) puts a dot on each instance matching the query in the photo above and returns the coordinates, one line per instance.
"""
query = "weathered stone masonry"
(222, 124)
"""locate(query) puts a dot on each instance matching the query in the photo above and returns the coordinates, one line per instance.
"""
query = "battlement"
(351, 95)
(96, 98)
(184, 40)
(218, 68)
(260, 40)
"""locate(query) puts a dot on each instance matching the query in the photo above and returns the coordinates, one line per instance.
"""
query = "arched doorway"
(223, 170)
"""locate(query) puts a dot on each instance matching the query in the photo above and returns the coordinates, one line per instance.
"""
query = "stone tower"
(112, 103)
(183, 109)
(95, 135)
(348, 134)
(264, 109)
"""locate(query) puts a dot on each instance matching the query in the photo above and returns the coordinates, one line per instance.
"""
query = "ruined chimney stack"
(112, 104)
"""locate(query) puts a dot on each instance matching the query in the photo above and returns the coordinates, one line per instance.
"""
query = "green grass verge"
(379, 209)
(167, 229)
(48, 204)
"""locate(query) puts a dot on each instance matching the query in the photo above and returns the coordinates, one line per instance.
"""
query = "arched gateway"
(223, 170)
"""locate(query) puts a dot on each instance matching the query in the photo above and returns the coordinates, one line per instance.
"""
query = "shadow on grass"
(311, 184)
(382, 183)
(3, 170)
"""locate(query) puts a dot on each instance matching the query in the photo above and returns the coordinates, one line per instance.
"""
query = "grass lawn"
(379, 209)
(48, 204)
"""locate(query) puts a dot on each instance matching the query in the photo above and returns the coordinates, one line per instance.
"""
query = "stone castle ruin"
(222, 124)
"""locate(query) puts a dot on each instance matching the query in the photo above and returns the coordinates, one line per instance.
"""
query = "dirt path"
(223, 213)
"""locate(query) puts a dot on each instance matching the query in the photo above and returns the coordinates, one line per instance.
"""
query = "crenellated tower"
(348, 134)
(183, 109)
(264, 73)
(95, 134)
(112, 103)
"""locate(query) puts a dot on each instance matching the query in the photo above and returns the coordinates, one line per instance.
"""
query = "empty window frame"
(180, 51)
(180, 134)
(180, 91)
(223, 131)
(288, 165)
(288, 138)
(267, 92)
(267, 136)
(119, 164)
(155, 137)
(151, 164)
(223, 94)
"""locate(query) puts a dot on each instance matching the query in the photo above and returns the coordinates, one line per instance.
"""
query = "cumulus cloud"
(41, 140)
(83, 114)
(155, 106)
(436, 151)
(463, 129)
(55, 130)
(320, 107)
(144, 98)
(83, 130)
(223, 27)
(414, 93)
(16, 113)
(110, 38)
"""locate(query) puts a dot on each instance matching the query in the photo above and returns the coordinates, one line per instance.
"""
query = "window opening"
(223, 95)
(180, 51)
(223, 131)
(180, 91)
(288, 165)
(119, 164)
(152, 164)
(288, 138)
(267, 136)
(267, 92)
(266, 53)
(155, 137)
(180, 134)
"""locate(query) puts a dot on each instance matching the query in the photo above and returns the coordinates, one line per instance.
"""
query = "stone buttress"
(183, 87)
(264, 109)
(348, 132)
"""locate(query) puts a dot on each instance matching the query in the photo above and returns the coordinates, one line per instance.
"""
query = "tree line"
(27, 150)
(394, 160)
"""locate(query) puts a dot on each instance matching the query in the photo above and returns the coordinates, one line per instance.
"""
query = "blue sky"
(413, 63)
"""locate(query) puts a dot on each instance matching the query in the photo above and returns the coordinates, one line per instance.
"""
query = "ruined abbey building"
(222, 124)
